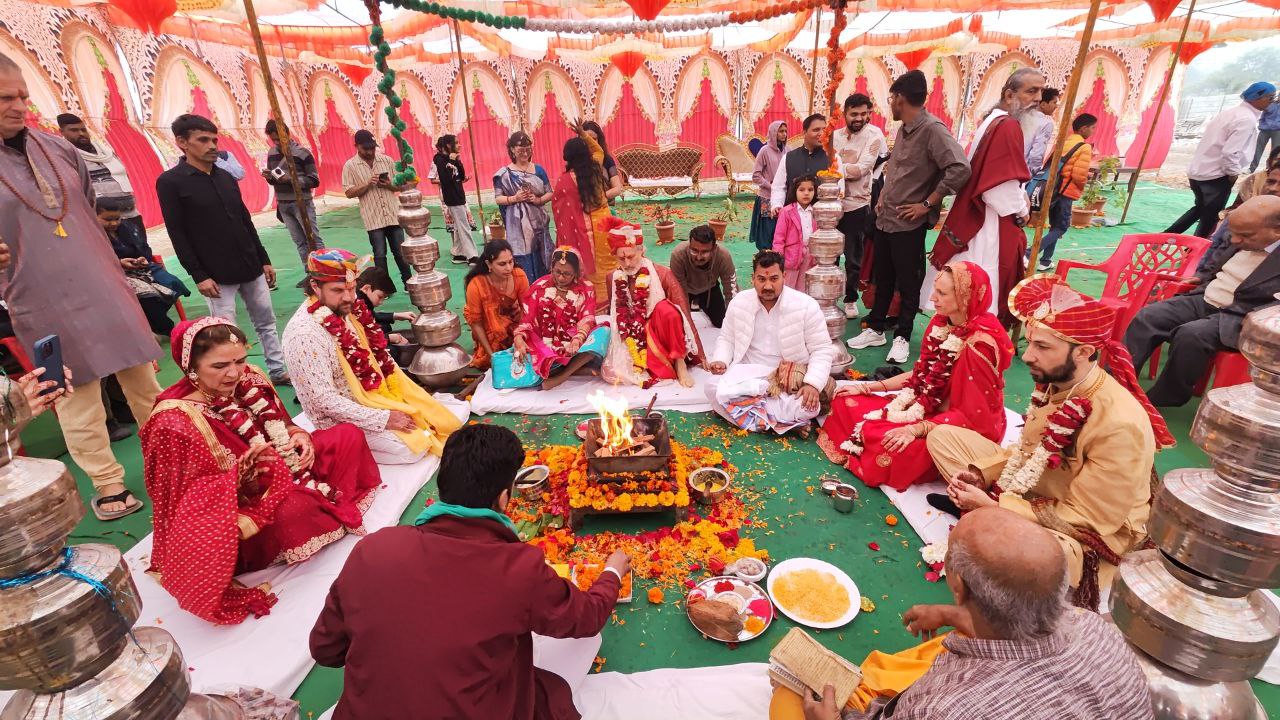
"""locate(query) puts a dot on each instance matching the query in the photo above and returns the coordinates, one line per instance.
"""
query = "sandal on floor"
(121, 497)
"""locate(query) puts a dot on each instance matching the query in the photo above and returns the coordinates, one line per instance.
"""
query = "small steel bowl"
(829, 486)
(843, 497)
(708, 497)
(742, 567)
(532, 481)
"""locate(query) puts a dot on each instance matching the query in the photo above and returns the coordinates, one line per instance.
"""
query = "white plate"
(787, 566)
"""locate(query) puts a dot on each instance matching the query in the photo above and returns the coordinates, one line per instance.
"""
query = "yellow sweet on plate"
(813, 595)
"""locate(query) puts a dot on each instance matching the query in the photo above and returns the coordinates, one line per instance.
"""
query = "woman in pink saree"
(559, 333)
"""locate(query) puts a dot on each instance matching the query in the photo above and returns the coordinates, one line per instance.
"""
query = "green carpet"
(644, 636)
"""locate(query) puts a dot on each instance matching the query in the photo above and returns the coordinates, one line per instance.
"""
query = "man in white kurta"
(773, 356)
(993, 206)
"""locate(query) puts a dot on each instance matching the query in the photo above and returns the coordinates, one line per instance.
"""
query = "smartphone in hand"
(47, 354)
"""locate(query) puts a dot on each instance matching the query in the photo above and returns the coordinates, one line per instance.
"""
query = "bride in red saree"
(957, 380)
(234, 484)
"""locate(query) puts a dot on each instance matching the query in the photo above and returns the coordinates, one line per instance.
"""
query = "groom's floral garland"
(631, 315)
(924, 390)
(250, 413)
(356, 355)
(1023, 471)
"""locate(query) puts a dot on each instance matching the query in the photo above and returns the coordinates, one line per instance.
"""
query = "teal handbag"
(510, 375)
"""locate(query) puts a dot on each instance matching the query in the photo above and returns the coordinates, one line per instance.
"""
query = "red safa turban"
(623, 234)
(1048, 302)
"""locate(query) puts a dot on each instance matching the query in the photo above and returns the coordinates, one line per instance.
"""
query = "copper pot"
(429, 290)
(1178, 696)
(413, 216)
(436, 328)
(1260, 345)
(1239, 427)
(39, 507)
(826, 245)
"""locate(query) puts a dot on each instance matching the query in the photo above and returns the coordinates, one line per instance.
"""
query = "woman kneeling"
(958, 380)
(559, 333)
(236, 486)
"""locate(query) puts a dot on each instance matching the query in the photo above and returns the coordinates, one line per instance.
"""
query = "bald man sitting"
(1019, 651)
(1207, 318)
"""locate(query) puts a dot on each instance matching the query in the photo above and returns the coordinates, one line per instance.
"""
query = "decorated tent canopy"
(655, 74)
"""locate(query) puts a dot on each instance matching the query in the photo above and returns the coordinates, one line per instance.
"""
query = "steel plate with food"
(729, 609)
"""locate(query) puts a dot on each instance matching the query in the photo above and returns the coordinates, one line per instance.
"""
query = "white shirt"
(858, 154)
(1227, 146)
(764, 348)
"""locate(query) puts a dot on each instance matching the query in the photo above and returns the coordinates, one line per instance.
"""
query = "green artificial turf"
(800, 524)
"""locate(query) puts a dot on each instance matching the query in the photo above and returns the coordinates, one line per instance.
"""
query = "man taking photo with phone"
(367, 176)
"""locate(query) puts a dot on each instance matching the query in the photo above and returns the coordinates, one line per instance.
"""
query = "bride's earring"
(193, 377)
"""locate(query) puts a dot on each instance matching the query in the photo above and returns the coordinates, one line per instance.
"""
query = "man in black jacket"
(289, 209)
(1208, 318)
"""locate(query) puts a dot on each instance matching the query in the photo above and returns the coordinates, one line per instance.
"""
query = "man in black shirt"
(214, 238)
(808, 159)
(451, 175)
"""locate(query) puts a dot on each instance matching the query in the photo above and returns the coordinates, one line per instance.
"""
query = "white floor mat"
(724, 692)
(571, 397)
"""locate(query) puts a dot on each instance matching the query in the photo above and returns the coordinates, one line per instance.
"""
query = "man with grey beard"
(986, 220)
(1018, 651)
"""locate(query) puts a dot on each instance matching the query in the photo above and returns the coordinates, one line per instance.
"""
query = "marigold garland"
(835, 60)
(666, 557)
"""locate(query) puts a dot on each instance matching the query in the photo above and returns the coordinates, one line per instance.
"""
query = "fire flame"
(615, 419)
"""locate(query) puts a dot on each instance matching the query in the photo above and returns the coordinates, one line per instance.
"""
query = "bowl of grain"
(708, 485)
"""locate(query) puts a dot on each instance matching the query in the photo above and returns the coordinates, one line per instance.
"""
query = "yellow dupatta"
(399, 392)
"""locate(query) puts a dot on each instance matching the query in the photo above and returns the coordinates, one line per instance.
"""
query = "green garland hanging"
(453, 13)
(405, 173)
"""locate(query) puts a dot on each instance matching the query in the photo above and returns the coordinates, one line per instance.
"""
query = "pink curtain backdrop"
(1161, 140)
(937, 102)
(335, 148)
(135, 153)
(490, 138)
(1104, 138)
(779, 109)
(860, 85)
(549, 138)
(703, 126)
(628, 124)
(422, 144)
(254, 190)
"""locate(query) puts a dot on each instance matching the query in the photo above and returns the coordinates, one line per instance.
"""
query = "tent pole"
(282, 133)
(1164, 93)
(813, 71)
(1064, 125)
(471, 130)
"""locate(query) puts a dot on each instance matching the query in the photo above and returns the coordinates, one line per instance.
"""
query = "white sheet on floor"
(571, 396)
(723, 692)
(933, 525)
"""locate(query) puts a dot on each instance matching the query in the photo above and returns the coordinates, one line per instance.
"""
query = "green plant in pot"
(721, 220)
(663, 223)
(1082, 213)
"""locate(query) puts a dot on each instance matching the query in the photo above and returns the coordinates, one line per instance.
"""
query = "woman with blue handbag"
(558, 335)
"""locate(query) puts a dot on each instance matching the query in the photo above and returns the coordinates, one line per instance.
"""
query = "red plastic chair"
(182, 314)
(1228, 368)
(18, 352)
(1139, 262)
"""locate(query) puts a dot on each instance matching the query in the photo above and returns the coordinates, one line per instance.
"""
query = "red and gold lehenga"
(209, 525)
(957, 380)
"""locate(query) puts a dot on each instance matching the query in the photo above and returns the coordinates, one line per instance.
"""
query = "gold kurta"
(1103, 486)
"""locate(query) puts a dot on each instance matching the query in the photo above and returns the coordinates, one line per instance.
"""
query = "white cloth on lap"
(739, 381)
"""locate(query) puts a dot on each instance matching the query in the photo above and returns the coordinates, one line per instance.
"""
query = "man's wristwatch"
(927, 205)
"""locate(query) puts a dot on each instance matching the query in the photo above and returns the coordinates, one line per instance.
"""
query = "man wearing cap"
(343, 372)
(367, 176)
(1082, 467)
(1208, 317)
(1224, 152)
(652, 337)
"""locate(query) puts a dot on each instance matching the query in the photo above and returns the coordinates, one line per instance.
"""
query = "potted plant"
(1082, 213)
(662, 222)
(721, 220)
(1107, 167)
(496, 229)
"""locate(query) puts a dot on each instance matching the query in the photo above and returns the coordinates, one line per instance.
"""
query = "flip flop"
(122, 497)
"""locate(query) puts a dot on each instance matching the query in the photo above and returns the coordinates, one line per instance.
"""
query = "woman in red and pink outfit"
(958, 380)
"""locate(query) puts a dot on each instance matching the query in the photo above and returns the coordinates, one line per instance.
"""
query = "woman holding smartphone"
(522, 190)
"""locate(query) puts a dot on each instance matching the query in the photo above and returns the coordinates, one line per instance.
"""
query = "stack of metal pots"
(439, 361)
(66, 646)
(825, 281)
(1196, 606)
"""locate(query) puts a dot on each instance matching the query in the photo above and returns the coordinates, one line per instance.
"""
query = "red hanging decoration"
(1190, 50)
(1162, 9)
(148, 14)
(357, 73)
(628, 62)
(914, 58)
(647, 9)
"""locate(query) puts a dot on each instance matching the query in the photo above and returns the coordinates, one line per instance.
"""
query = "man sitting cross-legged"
(774, 355)
(1207, 318)
(1082, 467)
(436, 619)
(344, 373)
(1017, 651)
(652, 337)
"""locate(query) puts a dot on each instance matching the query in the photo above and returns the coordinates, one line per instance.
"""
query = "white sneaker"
(899, 352)
(851, 310)
(867, 338)
(1044, 267)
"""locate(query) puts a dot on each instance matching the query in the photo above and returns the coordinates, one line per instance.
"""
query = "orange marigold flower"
(890, 520)
(655, 596)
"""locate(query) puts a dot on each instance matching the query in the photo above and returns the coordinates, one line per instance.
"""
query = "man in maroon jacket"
(435, 620)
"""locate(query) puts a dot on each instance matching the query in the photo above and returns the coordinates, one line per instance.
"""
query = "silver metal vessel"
(824, 281)
(39, 506)
(440, 361)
